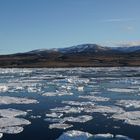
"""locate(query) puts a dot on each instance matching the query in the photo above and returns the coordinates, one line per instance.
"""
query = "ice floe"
(121, 90)
(11, 130)
(1, 135)
(80, 119)
(80, 135)
(8, 113)
(108, 135)
(60, 126)
(3, 88)
(80, 88)
(54, 115)
(104, 109)
(67, 109)
(10, 123)
(131, 117)
(35, 117)
(49, 94)
(77, 103)
(95, 98)
(129, 103)
(16, 100)
(74, 135)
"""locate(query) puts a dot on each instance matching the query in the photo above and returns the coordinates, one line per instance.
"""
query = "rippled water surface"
(70, 104)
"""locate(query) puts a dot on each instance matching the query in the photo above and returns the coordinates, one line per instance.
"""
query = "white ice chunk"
(11, 130)
(104, 109)
(74, 135)
(54, 115)
(131, 117)
(95, 98)
(76, 103)
(9, 122)
(80, 119)
(124, 90)
(16, 100)
(49, 94)
(8, 113)
(80, 88)
(129, 103)
(35, 117)
(1, 135)
(68, 109)
(3, 88)
(108, 135)
(123, 137)
(60, 126)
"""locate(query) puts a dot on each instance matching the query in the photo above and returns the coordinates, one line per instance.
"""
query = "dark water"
(115, 84)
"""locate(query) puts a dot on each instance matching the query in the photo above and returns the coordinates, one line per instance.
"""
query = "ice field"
(70, 104)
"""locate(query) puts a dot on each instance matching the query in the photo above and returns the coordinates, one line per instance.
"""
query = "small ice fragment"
(108, 135)
(35, 117)
(77, 103)
(123, 137)
(60, 126)
(80, 119)
(54, 115)
(95, 98)
(104, 109)
(3, 88)
(124, 90)
(80, 88)
(1, 135)
(68, 109)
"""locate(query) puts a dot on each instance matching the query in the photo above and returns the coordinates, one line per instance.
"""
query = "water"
(107, 98)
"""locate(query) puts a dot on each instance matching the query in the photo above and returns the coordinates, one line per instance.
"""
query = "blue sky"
(33, 24)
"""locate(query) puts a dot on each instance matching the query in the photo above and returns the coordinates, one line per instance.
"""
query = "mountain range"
(85, 55)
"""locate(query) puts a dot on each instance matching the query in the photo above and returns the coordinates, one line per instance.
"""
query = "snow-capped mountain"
(85, 55)
(87, 48)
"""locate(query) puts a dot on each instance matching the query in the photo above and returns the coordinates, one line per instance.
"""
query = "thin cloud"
(123, 43)
(118, 20)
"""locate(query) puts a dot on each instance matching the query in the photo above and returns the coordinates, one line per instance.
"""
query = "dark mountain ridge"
(85, 55)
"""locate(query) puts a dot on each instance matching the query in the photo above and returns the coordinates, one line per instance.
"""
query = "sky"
(34, 24)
